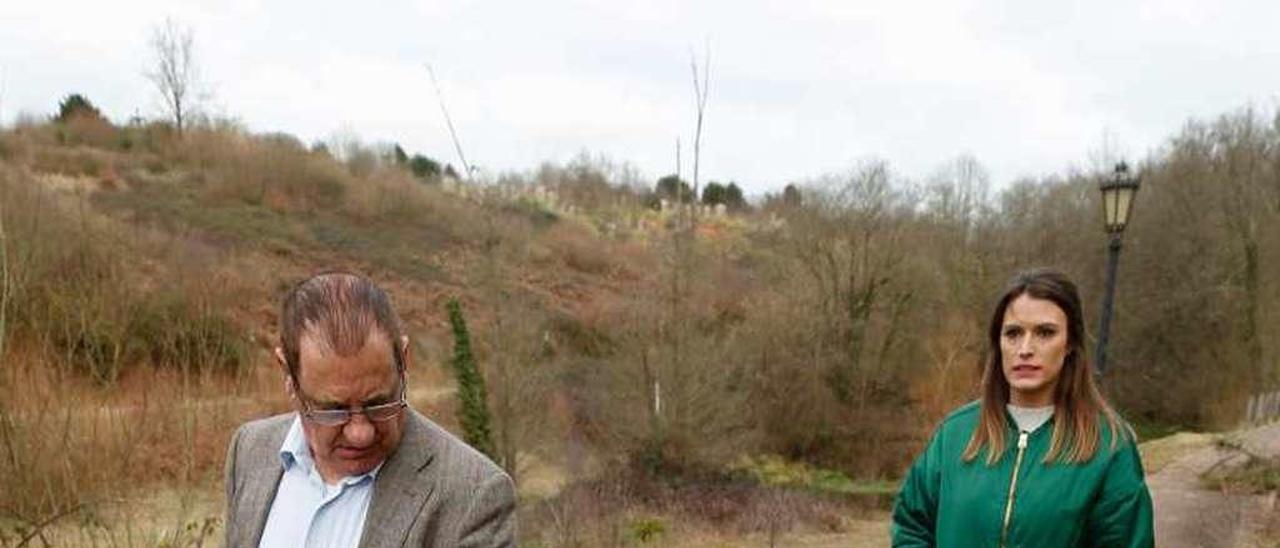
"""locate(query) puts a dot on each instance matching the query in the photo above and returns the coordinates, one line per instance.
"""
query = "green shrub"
(646, 530)
(776, 471)
(173, 329)
(77, 293)
(100, 331)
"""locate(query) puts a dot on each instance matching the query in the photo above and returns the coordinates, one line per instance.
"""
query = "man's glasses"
(337, 417)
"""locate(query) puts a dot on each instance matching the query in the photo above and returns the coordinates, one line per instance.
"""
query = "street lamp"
(1117, 202)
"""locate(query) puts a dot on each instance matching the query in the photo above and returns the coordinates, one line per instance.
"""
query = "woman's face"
(1033, 346)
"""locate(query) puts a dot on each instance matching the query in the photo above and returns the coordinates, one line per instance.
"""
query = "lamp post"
(1117, 202)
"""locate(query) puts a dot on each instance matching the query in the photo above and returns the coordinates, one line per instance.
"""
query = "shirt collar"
(295, 452)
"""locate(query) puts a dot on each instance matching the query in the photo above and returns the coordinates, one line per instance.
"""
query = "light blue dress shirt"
(309, 513)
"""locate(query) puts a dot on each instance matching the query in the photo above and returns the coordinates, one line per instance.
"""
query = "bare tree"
(848, 242)
(448, 120)
(700, 103)
(1241, 147)
(174, 71)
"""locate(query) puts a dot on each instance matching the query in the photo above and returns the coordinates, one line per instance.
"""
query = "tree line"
(840, 302)
(840, 334)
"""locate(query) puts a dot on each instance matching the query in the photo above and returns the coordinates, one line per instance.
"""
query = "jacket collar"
(399, 492)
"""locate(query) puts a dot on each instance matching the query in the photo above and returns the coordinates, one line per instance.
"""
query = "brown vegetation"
(631, 354)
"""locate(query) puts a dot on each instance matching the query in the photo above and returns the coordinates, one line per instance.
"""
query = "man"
(355, 465)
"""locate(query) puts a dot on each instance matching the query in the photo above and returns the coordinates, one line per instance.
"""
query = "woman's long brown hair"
(1077, 401)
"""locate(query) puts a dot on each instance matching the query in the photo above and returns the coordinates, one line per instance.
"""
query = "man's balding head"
(339, 310)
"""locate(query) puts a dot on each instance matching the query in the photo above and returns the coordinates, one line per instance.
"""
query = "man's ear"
(284, 369)
(405, 352)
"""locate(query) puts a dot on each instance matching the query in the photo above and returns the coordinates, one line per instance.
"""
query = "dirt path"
(1187, 515)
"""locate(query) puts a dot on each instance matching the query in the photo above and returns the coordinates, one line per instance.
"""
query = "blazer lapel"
(258, 486)
(398, 493)
(257, 502)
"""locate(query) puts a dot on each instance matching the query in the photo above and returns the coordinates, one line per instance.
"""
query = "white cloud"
(797, 88)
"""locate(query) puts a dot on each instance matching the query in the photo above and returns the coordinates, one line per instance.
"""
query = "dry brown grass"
(83, 463)
(93, 131)
(203, 232)
(624, 507)
(125, 366)
(580, 250)
(98, 295)
(871, 532)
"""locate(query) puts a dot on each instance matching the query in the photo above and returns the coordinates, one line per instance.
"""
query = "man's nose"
(358, 431)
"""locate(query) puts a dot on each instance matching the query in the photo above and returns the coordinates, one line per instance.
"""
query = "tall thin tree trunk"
(1253, 343)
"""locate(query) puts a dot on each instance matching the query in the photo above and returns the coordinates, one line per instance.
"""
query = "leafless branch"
(700, 91)
(453, 134)
(38, 529)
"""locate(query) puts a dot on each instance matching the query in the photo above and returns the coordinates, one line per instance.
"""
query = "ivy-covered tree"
(473, 414)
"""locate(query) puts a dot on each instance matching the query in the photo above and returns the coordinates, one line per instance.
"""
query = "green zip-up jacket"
(946, 502)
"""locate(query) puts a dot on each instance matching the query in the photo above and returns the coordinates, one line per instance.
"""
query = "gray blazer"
(434, 490)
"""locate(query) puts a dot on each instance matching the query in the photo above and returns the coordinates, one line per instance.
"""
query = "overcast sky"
(798, 88)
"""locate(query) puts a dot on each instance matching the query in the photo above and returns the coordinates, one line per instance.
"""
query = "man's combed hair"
(340, 310)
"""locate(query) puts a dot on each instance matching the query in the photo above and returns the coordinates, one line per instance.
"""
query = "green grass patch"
(1241, 470)
(646, 530)
(178, 205)
(773, 470)
(1257, 475)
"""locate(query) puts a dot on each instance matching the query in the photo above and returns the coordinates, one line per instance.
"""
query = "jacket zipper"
(1013, 486)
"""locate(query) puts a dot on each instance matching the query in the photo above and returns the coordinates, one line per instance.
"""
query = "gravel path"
(1187, 515)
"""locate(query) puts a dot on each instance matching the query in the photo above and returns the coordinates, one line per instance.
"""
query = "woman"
(1041, 459)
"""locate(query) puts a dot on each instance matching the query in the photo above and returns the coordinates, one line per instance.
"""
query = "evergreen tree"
(423, 167)
(733, 197)
(76, 105)
(398, 155)
(791, 196)
(674, 189)
(473, 414)
(713, 194)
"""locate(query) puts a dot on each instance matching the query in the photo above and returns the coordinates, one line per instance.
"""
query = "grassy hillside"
(143, 272)
(635, 358)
